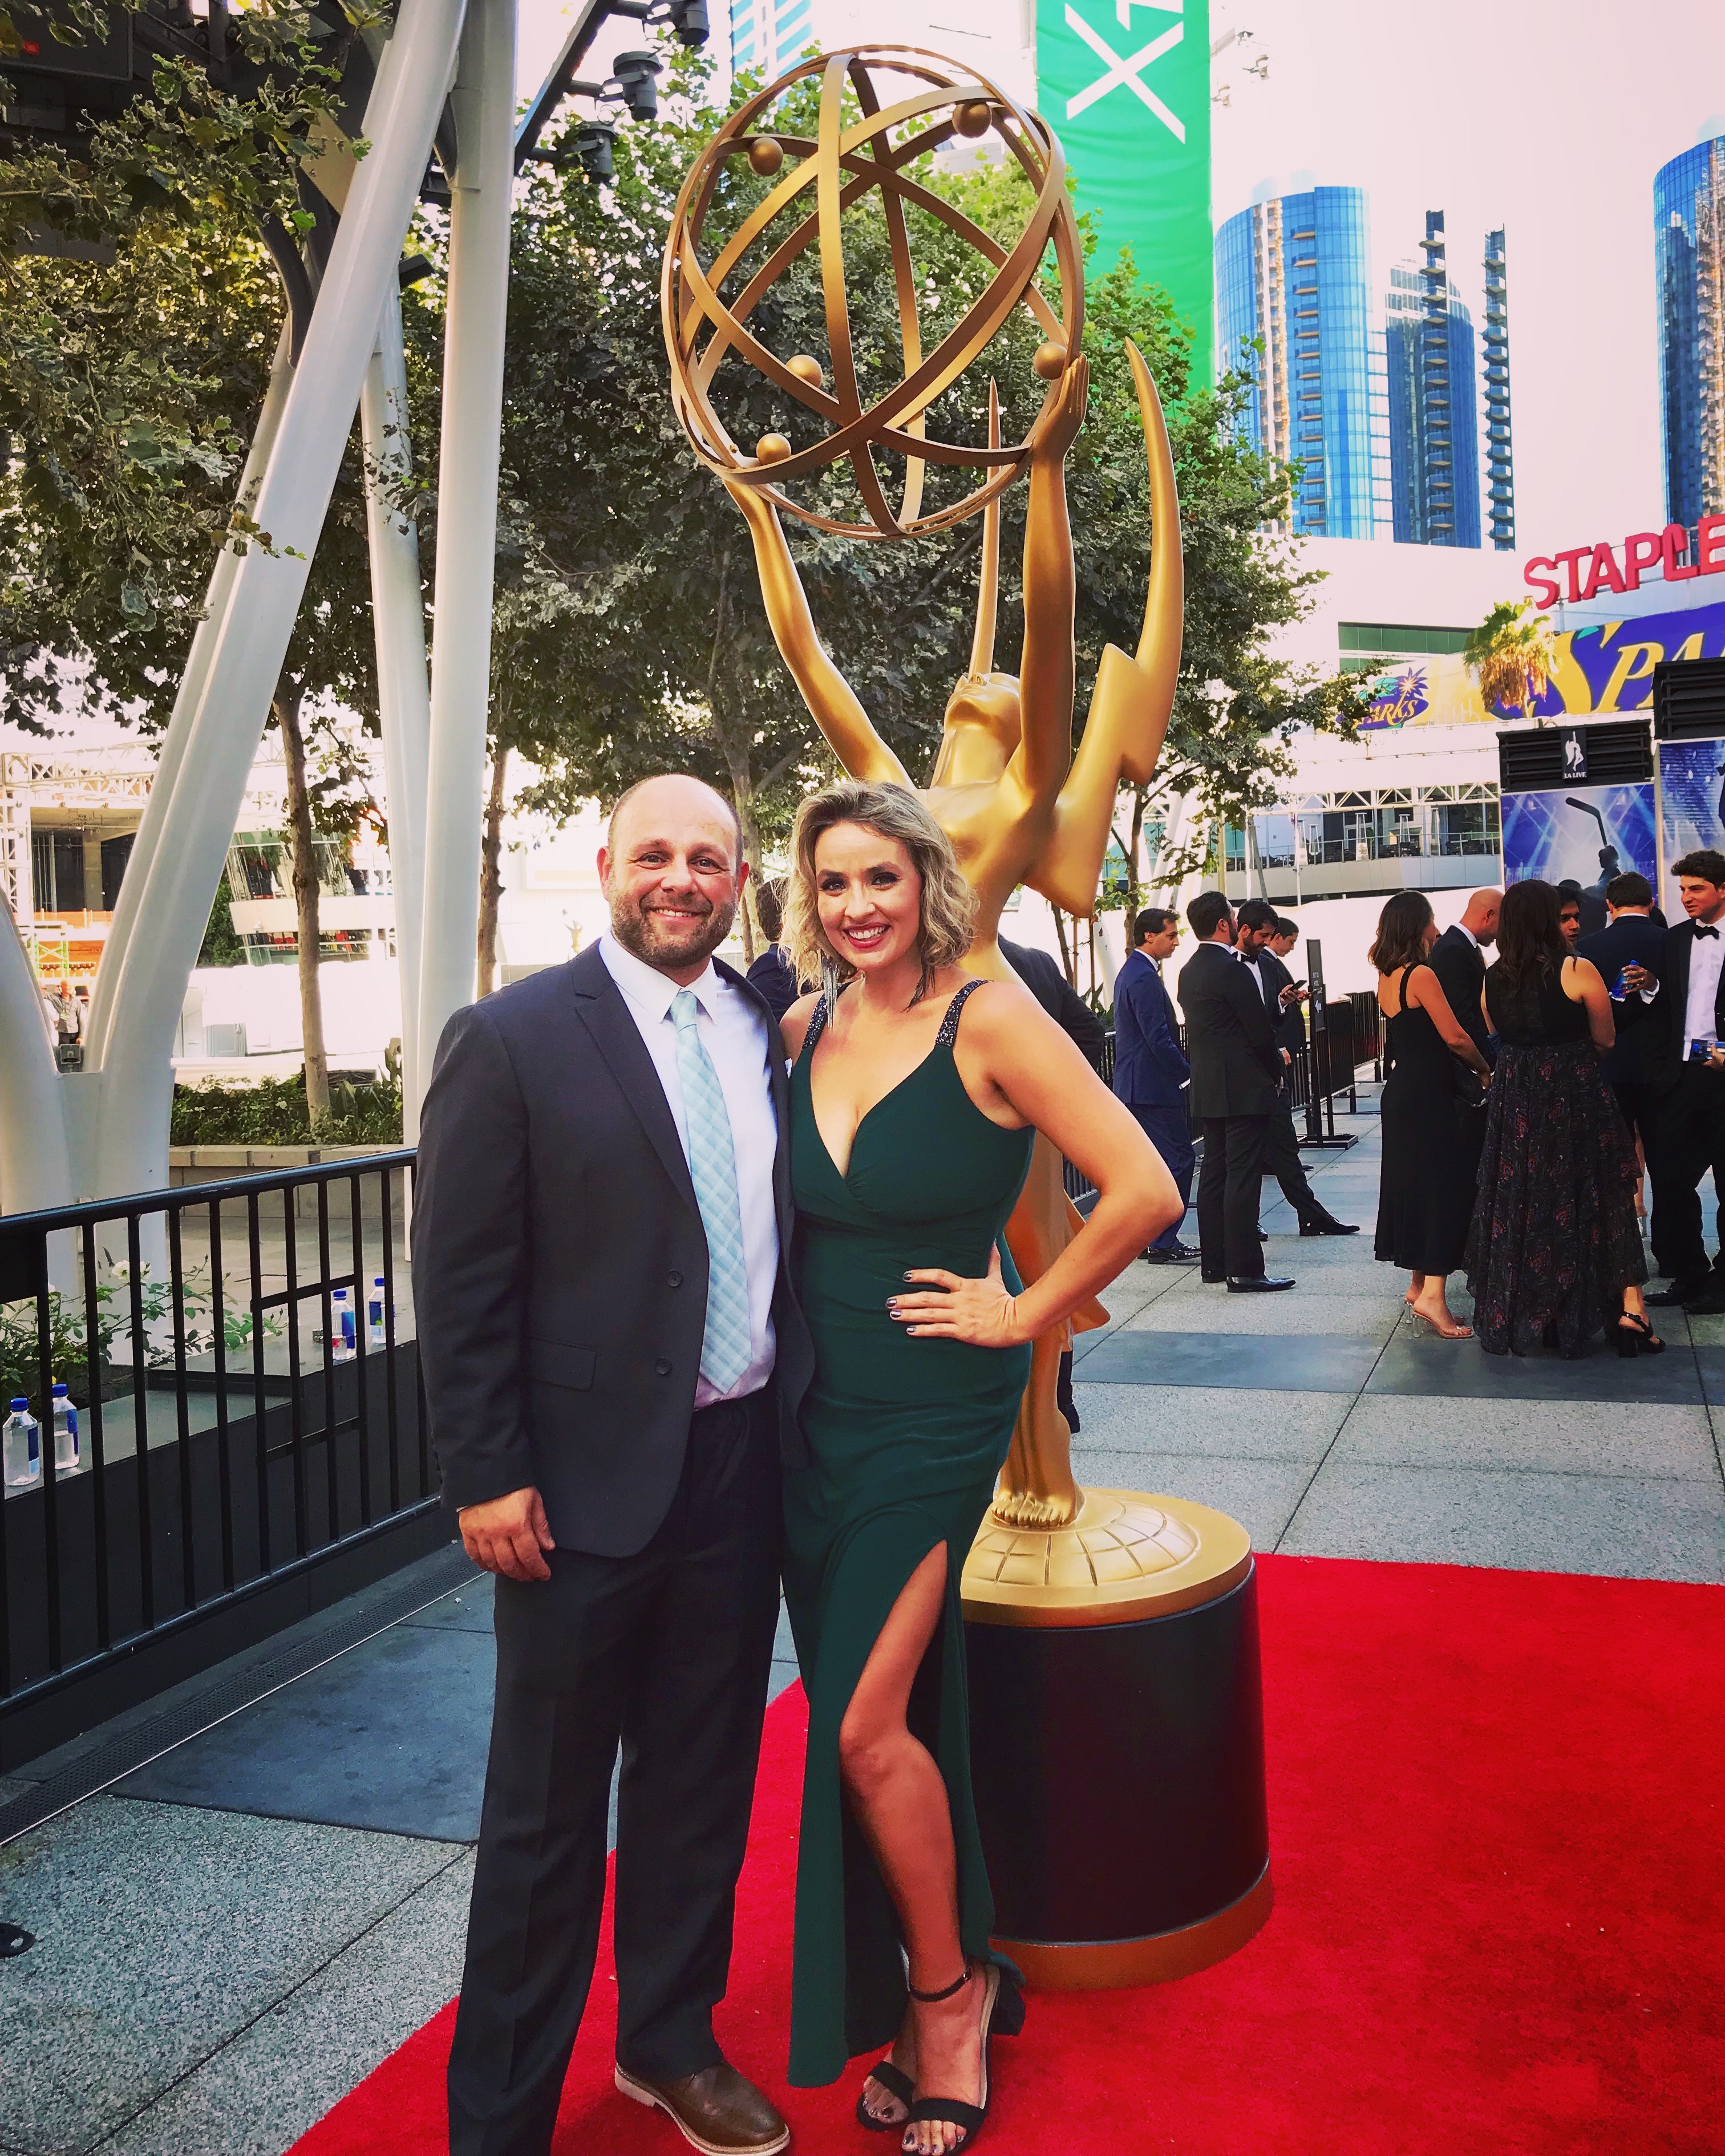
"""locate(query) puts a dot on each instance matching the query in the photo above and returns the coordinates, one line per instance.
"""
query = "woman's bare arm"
(1425, 992)
(1583, 983)
(793, 1026)
(1012, 1053)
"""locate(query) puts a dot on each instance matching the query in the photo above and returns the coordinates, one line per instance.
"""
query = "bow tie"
(1700, 929)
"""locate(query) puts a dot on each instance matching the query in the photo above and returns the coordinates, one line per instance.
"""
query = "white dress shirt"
(736, 1036)
(1253, 968)
(1463, 929)
(1707, 954)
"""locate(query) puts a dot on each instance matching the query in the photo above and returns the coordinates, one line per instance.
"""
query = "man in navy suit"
(1683, 1067)
(1151, 1072)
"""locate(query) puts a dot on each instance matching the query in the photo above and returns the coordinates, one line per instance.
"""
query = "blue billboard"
(1591, 833)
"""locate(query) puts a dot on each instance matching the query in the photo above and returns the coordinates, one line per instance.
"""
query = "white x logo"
(1125, 71)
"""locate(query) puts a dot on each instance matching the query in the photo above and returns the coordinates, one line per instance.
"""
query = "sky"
(1548, 117)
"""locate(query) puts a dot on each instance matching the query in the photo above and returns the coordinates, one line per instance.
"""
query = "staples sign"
(1587, 570)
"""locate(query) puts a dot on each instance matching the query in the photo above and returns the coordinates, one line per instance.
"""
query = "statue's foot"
(1032, 1509)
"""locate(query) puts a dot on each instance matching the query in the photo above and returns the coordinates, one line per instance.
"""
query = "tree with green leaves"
(1512, 655)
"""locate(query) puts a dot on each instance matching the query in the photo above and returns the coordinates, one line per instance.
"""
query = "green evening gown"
(907, 1436)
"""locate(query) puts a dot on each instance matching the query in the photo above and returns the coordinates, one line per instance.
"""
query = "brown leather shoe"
(716, 2111)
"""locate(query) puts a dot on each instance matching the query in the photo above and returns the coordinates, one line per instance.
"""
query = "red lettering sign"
(1640, 550)
(1590, 569)
(1544, 590)
(1604, 571)
(1710, 545)
(1676, 538)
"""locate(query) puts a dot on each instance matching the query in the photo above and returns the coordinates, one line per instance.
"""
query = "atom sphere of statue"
(862, 147)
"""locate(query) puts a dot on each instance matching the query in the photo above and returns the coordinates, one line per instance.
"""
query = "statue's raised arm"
(1133, 698)
(848, 730)
(1047, 667)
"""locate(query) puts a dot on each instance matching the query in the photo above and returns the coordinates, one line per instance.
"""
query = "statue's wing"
(1133, 698)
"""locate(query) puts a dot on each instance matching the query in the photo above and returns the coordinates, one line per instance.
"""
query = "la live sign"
(1587, 570)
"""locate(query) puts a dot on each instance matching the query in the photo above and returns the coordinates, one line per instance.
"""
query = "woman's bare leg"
(1432, 1304)
(1416, 1281)
(900, 1802)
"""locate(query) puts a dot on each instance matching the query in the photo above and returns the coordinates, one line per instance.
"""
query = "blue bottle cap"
(19, 1406)
(338, 1295)
(61, 1392)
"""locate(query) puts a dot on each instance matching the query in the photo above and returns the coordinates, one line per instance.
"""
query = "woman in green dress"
(916, 1091)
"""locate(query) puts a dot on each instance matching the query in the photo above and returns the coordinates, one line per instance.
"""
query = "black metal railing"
(230, 1434)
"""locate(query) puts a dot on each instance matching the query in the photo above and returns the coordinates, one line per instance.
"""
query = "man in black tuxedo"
(1230, 1040)
(1041, 975)
(1258, 930)
(1630, 956)
(1683, 1070)
(1458, 958)
(614, 1364)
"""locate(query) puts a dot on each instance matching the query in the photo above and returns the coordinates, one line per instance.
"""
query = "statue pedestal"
(1117, 1740)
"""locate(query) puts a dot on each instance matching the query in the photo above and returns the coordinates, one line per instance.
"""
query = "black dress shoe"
(1326, 1223)
(1709, 1303)
(1262, 1285)
(1681, 1293)
(1174, 1254)
(1212, 1280)
(1262, 1236)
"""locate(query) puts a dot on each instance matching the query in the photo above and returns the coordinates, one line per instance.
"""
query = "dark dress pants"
(669, 1653)
(1227, 1186)
(1683, 1130)
(1282, 1159)
(1169, 1129)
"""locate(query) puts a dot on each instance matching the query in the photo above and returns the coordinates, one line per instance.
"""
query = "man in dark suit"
(1458, 958)
(773, 977)
(1042, 976)
(1683, 1069)
(614, 1363)
(1230, 1039)
(1258, 928)
(1151, 1072)
(1630, 956)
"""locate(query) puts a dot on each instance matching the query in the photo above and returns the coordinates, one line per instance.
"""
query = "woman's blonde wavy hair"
(948, 903)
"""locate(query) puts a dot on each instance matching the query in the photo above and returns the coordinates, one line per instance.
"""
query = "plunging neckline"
(942, 1040)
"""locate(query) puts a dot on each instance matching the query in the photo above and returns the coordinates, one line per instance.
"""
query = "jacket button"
(673, 1279)
(662, 1366)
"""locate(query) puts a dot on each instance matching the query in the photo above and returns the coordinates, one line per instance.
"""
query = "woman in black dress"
(1425, 1188)
(1554, 1256)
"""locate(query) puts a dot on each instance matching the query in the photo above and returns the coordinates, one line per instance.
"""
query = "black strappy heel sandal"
(1635, 1337)
(898, 2084)
(1003, 2014)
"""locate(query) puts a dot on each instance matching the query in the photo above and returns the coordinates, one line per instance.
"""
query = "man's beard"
(647, 934)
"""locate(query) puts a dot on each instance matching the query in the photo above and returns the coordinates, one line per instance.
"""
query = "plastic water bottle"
(341, 1341)
(22, 1446)
(66, 1460)
(376, 1335)
(1620, 987)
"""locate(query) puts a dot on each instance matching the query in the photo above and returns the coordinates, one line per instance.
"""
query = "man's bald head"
(672, 867)
(1480, 915)
(671, 793)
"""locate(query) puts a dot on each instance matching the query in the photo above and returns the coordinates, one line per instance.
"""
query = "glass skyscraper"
(1294, 272)
(1689, 265)
(1434, 429)
(767, 35)
(1500, 457)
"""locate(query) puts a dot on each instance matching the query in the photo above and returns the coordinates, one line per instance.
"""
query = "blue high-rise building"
(767, 35)
(1499, 452)
(1689, 266)
(1294, 275)
(1434, 429)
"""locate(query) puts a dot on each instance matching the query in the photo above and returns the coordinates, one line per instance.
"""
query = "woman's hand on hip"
(951, 1307)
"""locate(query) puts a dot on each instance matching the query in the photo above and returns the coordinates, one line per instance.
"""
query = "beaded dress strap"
(949, 1025)
(817, 1026)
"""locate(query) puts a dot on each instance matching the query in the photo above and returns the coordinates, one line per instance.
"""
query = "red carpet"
(1496, 1818)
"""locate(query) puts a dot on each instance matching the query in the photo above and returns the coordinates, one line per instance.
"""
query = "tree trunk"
(303, 851)
(490, 876)
(1068, 965)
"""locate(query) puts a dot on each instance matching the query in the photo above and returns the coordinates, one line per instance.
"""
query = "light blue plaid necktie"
(728, 1345)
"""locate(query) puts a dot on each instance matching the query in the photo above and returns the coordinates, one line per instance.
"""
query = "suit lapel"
(617, 1038)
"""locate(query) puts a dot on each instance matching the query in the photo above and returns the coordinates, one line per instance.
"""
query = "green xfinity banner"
(1126, 85)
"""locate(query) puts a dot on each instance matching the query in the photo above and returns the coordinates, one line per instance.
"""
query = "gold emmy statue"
(1019, 806)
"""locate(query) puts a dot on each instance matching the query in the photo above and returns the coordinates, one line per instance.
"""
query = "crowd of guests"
(1233, 1078)
(1524, 1093)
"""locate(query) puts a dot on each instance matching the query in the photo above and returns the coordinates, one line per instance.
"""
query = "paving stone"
(161, 1931)
(277, 2078)
(1260, 1494)
(1299, 1310)
(1621, 1525)
(1214, 1420)
(1459, 1368)
(391, 1736)
(468, 1610)
(1238, 1361)
(1557, 1437)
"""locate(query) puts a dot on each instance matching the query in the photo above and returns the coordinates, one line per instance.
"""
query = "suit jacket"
(1230, 1036)
(1062, 1002)
(1288, 1022)
(1459, 965)
(1631, 940)
(1663, 1035)
(774, 980)
(1150, 1066)
(560, 1266)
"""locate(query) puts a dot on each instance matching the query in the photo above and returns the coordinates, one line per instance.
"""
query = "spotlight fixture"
(593, 141)
(634, 81)
(687, 19)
